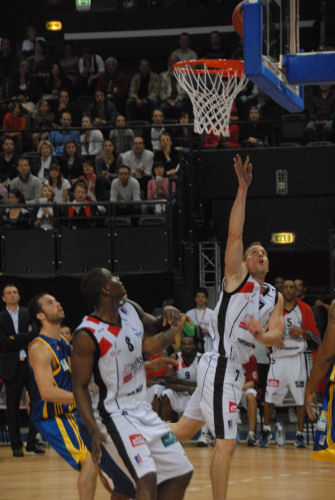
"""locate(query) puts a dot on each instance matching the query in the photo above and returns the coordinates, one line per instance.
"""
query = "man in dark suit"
(14, 339)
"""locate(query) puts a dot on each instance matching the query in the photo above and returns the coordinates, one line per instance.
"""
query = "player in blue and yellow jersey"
(324, 365)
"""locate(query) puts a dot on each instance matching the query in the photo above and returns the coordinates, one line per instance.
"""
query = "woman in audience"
(158, 187)
(91, 141)
(71, 162)
(44, 217)
(22, 84)
(59, 185)
(15, 120)
(42, 166)
(168, 156)
(105, 164)
(16, 218)
(121, 136)
(69, 64)
(95, 185)
(57, 80)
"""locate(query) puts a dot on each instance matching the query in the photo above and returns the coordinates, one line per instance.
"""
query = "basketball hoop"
(212, 85)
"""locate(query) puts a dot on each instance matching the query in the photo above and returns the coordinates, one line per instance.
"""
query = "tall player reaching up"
(248, 308)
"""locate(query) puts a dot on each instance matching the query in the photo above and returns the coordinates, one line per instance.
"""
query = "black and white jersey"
(229, 329)
(118, 369)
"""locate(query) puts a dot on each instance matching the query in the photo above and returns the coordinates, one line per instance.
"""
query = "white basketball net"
(212, 95)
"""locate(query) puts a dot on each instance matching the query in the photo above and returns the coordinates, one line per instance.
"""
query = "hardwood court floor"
(256, 474)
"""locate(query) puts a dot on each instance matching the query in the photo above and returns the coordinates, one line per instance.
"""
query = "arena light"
(83, 5)
(53, 25)
(283, 238)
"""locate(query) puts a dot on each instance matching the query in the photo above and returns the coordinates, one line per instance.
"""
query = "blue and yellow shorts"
(62, 433)
(324, 446)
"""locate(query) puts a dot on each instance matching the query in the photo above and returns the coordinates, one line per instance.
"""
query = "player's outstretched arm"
(322, 362)
(154, 325)
(82, 361)
(40, 359)
(156, 344)
(235, 271)
(273, 336)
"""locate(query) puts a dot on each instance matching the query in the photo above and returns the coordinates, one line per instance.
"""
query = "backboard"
(272, 55)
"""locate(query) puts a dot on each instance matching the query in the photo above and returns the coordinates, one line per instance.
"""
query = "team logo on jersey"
(138, 459)
(273, 382)
(168, 439)
(232, 407)
(136, 440)
(64, 364)
(230, 424)
(299, 383)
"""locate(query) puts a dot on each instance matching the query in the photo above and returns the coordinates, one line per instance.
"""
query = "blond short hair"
(45, 142)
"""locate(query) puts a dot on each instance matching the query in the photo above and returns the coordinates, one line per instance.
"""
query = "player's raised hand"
(243, 171)
(171, 315)
(97, 439)
(179, 323)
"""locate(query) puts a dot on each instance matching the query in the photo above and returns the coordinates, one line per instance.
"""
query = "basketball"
(237, 19)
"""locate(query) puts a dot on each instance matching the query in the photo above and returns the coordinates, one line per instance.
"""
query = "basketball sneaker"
(204, 439)
(299, 441)
(251, 439)
(265, 439)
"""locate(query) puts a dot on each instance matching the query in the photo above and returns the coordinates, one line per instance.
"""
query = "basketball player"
(109, 344)
(180, 381)
(288, 363)
(324, 365)
(247, 309)
(52, 404)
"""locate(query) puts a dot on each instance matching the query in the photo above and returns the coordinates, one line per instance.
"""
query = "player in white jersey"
(108, 345)
(180, 381)
(201, 315)
(288, 362)
(247, 309)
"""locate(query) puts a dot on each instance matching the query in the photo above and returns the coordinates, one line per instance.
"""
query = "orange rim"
(225, 67)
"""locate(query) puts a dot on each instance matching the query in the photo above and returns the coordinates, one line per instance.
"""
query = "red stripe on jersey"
(93, 320)
(90, 329)
(104, 346)
(115, 330)
(248, 287)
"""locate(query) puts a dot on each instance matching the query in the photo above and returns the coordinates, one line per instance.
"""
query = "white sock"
(267, 428)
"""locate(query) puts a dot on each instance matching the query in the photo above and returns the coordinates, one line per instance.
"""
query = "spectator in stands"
(44, 217)
(115, 84)
(43, 122)
(15, 120)
(7, 161)
(321, 113)
(156, 129)
(28, 45)
(57, 80)
(40, 67)
(159, 188)
(140, 161)
(16, 218)
(64, 103)
(122, 137)
(216, 50)
(91, 68)
(181, 381)
(92, 140)
(22, 84)
(143, 92)
(80, 215)
(42, 166)
(66, 333)
(168, 156)
(59, 185)
(70, 64)
(184, 53)
(219, 141)
(95, 184)
(173, 96)
(29, 185)
(253, 133)
(59, 137)
(185, 136)
(8, 63)
(246, 99)
(71, 161)
(3, 196)
(102, 112)
(125, 188)
(105, 164)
